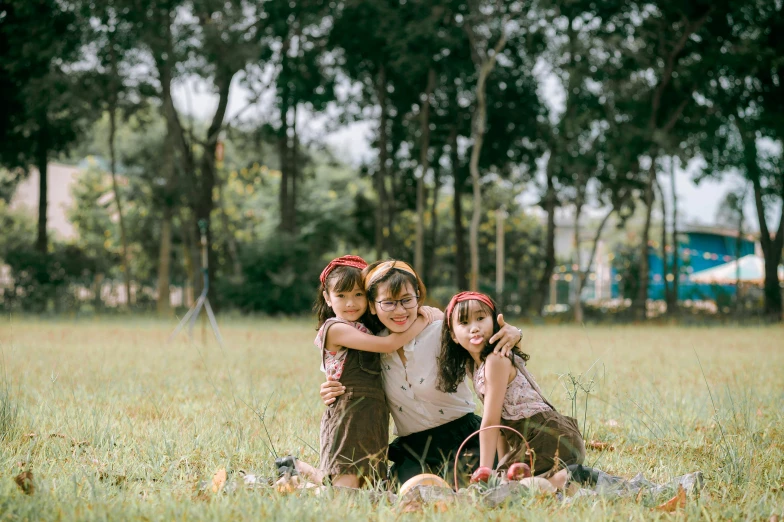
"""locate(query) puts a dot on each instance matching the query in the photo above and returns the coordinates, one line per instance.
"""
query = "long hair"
(341, 279)
(397, 280)
(454, 361)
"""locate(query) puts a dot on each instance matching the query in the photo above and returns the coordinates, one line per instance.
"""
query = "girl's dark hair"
(341, 279)
(454, 360)
(397, 280)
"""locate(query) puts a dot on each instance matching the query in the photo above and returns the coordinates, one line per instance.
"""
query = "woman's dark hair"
(454, 360)
(397, 279)
(342, 279)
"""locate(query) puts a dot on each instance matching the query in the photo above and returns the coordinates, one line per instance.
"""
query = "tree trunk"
(665, 282)
(395, 187)
(771, 246)
(173, 138)
(583, 273)
(641, 302)
(295, 172)
(97, 287)
(203, 205)
(283, 154)
(164, 264)
(284, 146)
(549, 240)
(424, 165)
(42, 164)
(500, 258)
(672, 308)
(432, 240)
(178, 151)
(231, 240)
(378, 212)
(121, 218)
(473, 167)
(190, 254)
(461, 273)
(473, 242)
(485, 66)
(382, 175)
(738, 245)
(577, 306)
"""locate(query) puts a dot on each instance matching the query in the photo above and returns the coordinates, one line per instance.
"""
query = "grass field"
(117, 424)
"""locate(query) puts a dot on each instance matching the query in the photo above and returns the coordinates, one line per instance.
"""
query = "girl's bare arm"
(497, 369)
(341, 334)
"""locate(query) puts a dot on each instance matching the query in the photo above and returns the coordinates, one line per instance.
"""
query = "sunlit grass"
(116, 422)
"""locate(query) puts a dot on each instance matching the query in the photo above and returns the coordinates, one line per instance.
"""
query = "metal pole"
(202, 302)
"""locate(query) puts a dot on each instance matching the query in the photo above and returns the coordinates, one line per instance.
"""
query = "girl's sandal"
(286, 466)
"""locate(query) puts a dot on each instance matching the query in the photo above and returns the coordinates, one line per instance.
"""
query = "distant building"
(699, 248)
(59, 180)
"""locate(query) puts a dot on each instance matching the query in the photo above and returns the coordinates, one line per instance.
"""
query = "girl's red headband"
(352, 261)
(466, 296)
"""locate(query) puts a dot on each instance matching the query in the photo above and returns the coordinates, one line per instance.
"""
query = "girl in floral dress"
(509, 393)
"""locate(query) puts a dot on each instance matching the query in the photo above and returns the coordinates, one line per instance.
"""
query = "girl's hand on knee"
(506, 338)
(331, 390)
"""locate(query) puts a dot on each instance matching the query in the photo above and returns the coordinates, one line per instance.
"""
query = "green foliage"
(9, 179)
(43, 283)
(281, 270)
(280, 275)
(45, 112)
(17, 228)
(639, 81)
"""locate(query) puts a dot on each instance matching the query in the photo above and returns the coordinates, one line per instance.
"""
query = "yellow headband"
(381, 270)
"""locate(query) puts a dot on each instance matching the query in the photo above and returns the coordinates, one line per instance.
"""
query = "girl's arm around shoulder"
(344, 335)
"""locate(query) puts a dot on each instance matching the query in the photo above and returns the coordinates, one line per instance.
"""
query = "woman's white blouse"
(414, 401)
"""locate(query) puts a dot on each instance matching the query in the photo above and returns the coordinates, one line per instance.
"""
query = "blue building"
(699, 248)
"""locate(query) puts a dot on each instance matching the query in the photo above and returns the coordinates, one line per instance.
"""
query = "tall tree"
(299, 31)
(577, 52)
(112, 39)
(484, 56)
(363, 47)
(216, 40)
(47, 110)
(745, 95)
(658, 89)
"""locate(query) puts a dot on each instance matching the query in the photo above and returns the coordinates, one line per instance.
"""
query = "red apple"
(518, 470)
(482, 474)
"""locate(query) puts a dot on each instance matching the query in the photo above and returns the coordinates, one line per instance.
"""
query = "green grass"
(155, 419)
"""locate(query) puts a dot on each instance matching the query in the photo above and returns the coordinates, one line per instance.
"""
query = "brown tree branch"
(675, 116)
(670, 66)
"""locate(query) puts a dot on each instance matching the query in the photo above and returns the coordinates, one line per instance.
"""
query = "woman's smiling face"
(400, 318)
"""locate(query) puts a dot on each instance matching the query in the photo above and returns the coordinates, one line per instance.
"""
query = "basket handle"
(477, 432)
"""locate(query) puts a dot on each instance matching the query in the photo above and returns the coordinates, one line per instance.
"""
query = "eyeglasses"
(407, 302)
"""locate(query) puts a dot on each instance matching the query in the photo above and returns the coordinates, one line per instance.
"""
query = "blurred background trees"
(542, 109)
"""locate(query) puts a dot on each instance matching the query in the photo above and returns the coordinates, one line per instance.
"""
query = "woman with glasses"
(430, 425)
